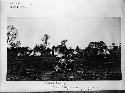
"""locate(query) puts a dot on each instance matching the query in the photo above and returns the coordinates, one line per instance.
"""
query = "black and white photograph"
(63, 48)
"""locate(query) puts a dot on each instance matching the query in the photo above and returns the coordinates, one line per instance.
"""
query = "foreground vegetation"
(95, 62)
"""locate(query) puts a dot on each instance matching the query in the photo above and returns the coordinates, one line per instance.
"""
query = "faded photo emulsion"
(63, 48)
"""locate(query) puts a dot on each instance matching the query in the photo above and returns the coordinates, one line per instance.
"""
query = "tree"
(40, 48)
(102, 47)
(114, 49)
(96, 48)
(63, 42)
(45, 39)
(62, 48)
(12, 35)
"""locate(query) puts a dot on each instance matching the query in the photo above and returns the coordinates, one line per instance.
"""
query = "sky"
(78, 21)
(78, 31)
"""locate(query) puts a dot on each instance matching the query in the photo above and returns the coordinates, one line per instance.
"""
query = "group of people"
(65, 64)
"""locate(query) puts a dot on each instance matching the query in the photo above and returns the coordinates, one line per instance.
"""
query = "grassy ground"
(42, 69)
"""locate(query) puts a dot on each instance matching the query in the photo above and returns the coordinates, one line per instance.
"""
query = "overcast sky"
(79, 31)
(79, 21)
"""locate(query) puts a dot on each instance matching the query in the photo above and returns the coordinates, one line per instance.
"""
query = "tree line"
(93, 50)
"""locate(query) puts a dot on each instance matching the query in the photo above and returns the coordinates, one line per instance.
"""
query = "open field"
(43, 69)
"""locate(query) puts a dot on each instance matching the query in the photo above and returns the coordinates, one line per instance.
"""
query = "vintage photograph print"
(63, 48)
